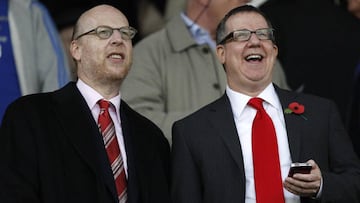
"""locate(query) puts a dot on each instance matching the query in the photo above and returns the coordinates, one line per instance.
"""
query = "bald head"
(92, 18)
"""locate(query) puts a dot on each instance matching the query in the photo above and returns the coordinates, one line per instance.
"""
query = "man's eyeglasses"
(105, 32)
(244, 35)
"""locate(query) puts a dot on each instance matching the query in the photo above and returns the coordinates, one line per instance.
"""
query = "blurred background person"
(32, 58)
(173, 7)
(353, 119)
(320, 51)
(353, 7)
(318, 46)
(176, 71)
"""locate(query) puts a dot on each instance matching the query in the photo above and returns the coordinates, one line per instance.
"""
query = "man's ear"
(276, 49)
(220, 53)
(75, 50)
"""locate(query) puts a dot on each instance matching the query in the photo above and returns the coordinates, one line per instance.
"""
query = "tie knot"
(104, 104)
(256, 103)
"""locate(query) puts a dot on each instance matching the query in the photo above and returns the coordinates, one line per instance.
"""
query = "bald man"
(54, 146)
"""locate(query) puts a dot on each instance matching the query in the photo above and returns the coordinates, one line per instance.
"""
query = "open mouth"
(254, 57)
(116, 56)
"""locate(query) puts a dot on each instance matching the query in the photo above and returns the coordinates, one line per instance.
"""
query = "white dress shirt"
(92, 97)
(244, 116)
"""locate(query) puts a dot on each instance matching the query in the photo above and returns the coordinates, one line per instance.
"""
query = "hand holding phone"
(303, 168)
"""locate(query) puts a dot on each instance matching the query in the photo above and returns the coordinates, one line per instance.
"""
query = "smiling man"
(82, 143)
(240, 147)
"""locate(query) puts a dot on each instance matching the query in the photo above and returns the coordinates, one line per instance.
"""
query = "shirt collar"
(239, 101)
(92, 96)
(200, 35)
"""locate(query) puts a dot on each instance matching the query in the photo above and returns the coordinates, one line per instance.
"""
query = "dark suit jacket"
(52, 151)
(207, 163)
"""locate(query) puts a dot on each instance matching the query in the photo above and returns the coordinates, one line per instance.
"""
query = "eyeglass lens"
(244, 35)
(104, 32)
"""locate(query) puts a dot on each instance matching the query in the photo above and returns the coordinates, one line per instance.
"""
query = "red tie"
(107, 129)
(267, 174)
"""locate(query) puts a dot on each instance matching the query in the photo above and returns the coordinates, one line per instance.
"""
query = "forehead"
(104, 16)
(246, 20)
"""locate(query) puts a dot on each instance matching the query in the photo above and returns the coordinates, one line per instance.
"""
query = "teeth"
(254, 57)
(116, 56)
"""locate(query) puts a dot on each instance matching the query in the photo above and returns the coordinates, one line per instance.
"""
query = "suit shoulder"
(139, 119)
(202, 112)
(33, 106)
(311, 102)
(31, 100)
(310, 98)
(143, 128)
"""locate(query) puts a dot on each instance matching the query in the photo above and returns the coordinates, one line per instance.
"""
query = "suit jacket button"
(216, 86)
(205, 50)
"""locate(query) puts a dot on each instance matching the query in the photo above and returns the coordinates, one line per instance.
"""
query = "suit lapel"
(225, 127)
(74, 114)
(130, 138)
(294, 123)
(221, 118)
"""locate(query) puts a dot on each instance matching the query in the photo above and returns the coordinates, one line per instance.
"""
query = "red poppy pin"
(295, 108)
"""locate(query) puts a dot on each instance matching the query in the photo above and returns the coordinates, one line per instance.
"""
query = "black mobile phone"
(304, 168)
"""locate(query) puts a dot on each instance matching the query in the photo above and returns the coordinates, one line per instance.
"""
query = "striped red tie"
(267, 174)
(107, 129)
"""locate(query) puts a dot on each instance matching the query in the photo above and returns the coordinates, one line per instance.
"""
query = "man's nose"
(254, 38)
(116, 37)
